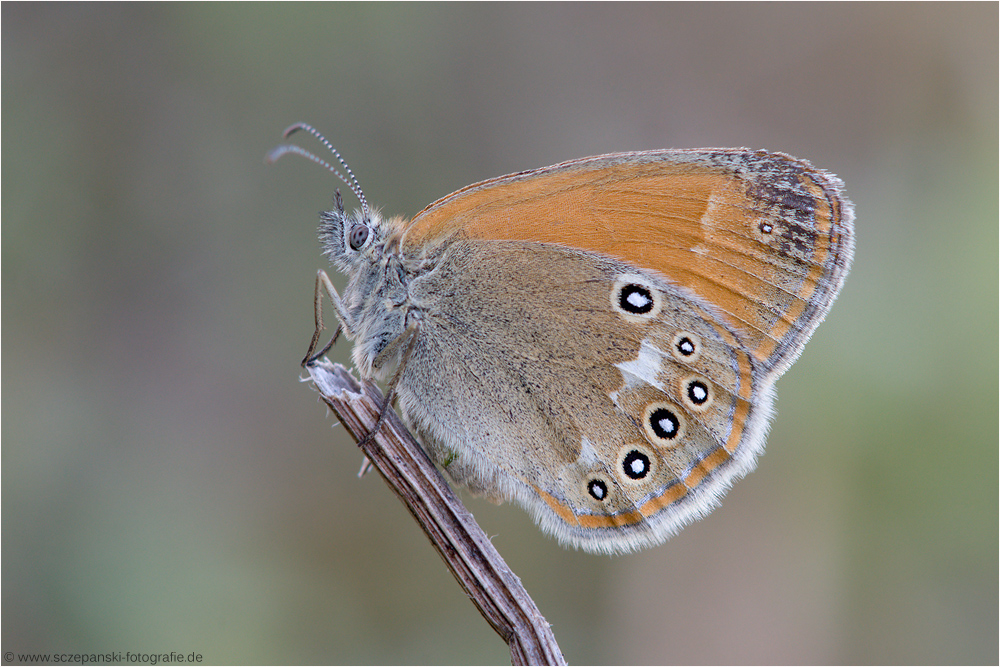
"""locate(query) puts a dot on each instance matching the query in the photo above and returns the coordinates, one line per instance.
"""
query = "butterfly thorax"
(375, 301)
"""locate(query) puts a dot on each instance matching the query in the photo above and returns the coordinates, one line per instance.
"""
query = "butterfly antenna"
(352, 182)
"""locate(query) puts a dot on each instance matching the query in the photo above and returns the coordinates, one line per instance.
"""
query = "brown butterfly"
(597, 340)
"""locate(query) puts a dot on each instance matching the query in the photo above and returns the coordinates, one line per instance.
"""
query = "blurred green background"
(170, 485)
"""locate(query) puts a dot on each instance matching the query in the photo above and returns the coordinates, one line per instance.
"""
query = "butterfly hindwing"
(599, 396)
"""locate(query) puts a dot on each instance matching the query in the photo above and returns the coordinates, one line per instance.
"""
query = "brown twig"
(468, 553)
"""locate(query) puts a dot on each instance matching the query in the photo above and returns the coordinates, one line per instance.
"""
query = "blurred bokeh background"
(170, 485)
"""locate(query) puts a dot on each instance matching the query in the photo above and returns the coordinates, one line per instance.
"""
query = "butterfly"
(596, 341)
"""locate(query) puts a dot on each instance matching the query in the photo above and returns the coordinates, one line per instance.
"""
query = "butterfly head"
(354, 240)
(351, 240)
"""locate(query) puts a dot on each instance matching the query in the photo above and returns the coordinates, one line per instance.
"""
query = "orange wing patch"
(754, 243)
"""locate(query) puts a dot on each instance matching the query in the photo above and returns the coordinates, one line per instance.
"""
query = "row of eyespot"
(661, 421)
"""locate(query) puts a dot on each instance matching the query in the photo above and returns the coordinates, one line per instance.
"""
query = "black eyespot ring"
(358, 236)
(697, 392)
(597, 489)
(635, 299)
(686, 347)
(635, 465)
(664, 423)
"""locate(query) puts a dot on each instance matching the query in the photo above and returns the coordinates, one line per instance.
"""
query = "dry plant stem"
(469, 554)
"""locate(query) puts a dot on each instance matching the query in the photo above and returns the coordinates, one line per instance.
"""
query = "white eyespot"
(664, 424)
(764, 231)
(636, 298)
(686, 347)
(598, 489)
(635, 463)
(697, 393)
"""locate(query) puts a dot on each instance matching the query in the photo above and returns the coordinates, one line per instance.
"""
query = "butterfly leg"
(409, 339)
(323, 282)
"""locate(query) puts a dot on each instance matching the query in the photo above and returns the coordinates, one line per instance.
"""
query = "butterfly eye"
(358, 237)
